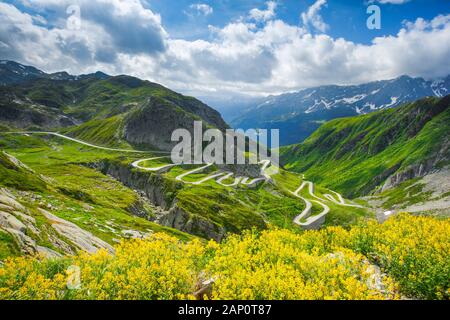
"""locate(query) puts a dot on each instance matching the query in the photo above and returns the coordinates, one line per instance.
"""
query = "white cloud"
(129, 26)
(312, 17)
(202, 8)
(264, 15)
(241, 57)
(281, 57)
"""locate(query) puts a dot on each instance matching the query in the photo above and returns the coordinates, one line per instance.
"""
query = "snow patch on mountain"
(309, 95)
(394, 101)
(355, 98)
(298, 114)
(438, 88)
(317, 104)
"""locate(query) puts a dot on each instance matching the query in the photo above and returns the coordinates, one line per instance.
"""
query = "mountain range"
(117, 109)
(299, 114)
(15, 73)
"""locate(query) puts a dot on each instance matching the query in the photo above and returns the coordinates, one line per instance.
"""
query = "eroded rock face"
(83, 239)
(16, 220)
(180, 220)
(419, 170)
(152, 186)
(243, 170)
(152, 124)
(24, 113)
(8, 221)
(156, 191)
(10, 211)
(9, 201)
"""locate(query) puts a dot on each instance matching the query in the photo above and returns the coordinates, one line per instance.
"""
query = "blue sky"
(347, 18)
(226, 48)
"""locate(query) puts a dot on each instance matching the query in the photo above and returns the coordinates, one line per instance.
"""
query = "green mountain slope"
(87, 99)
(103, 109)
(360, 154)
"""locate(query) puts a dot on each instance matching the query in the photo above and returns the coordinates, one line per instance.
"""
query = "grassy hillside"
(356, 155)
(17, 176)
(105, 132)
(69, 177)
(45, 104)
(53, 176)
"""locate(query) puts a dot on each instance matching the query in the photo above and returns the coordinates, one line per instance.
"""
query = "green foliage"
(8, 247)
(413, 250)
(105, 132)
(18, 177)
(355, 155)
(405, 194)
(103, 206)
(77, 193)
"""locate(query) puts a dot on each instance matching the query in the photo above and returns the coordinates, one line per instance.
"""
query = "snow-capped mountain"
(299, 114)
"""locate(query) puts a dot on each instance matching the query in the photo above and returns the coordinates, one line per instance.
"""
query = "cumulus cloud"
(312, 17)
(264, 15)
(280, 57)
(245, 56)
(107, 28)
(202, 9)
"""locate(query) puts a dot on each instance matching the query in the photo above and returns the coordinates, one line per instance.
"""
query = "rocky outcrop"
(243, 170)
(153, 187)
(142, 208)
(17, 220)
(83, 239)
(419, 170)
(8, 221)
(24, 113)
(162, 194)
(152, 123)
(192, 224)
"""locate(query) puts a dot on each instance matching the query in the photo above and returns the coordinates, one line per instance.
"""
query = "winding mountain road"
(82, 142)
(137, 165)
(305, 219)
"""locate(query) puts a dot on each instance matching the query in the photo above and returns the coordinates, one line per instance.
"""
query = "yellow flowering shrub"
(406, 255)
(414, 250)
(160, 268)
(273, 266)
(28, 278)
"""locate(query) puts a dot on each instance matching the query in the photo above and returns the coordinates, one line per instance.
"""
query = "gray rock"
(8, 221)
(27, 245)
(152, 124)
(192, 224)
(81, 238)
(10, 202)
(419, 169)
(169, 215)
(134, 234)
(47, 252)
